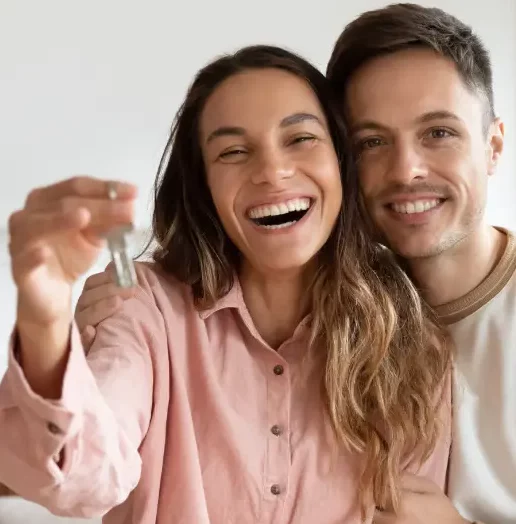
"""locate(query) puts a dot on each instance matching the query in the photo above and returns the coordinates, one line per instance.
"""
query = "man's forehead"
(403, 86)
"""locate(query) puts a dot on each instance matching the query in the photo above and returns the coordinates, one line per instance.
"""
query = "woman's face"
(271, 167)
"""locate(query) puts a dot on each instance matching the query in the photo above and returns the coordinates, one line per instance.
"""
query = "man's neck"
(460, 269)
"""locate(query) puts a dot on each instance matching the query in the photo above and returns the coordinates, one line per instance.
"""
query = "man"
(417, 91)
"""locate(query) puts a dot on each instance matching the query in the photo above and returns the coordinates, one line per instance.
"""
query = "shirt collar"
(232, 300)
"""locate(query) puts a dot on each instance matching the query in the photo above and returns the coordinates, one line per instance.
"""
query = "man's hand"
(422, 502)
(99, 300)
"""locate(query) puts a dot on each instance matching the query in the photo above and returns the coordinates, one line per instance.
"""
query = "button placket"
(278, 444)
(54, 428)
(276, 430)
(275, 489)
(278, 370)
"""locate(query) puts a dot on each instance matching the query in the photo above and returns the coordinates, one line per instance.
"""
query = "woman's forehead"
(257, 98)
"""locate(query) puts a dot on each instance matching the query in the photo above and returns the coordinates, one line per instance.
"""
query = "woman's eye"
(232, 153)
(306, 138)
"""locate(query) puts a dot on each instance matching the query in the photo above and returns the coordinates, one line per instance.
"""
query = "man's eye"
(370, 143)
(440, 133)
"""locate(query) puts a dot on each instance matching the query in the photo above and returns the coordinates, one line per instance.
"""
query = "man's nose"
(407, 164)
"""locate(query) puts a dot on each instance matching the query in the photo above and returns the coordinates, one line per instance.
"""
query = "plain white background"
(92, 88)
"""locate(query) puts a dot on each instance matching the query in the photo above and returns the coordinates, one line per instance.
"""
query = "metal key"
(117, 244)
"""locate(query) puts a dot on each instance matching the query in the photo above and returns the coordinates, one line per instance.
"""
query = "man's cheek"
(370, 185)
(370, 201)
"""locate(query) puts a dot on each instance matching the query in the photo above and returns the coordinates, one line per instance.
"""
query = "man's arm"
(422, 502)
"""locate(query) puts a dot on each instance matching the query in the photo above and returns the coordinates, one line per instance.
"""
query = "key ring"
(111, 190)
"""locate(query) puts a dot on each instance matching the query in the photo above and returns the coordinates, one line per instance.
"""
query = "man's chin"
(414, 248)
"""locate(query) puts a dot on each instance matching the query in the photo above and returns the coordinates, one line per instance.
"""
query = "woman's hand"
(54, 239)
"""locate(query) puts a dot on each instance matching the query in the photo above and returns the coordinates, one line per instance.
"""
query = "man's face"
(424, 147)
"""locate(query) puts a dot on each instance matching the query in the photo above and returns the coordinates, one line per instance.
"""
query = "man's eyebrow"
(438, 115)
(367, 125)
(371, 125)
(290, 120)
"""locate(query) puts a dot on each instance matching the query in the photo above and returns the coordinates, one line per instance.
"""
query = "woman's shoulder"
(173, 297)
(161, 288)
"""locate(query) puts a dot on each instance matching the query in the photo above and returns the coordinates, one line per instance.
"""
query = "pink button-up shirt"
(185, 417)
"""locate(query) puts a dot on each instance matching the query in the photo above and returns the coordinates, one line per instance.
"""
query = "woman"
(273, 365)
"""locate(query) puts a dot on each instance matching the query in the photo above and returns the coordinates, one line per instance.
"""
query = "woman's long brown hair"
(386, 360)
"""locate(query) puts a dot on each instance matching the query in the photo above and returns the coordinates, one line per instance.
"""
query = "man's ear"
(495, 140)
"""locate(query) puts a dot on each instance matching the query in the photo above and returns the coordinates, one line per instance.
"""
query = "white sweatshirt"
(482, 475)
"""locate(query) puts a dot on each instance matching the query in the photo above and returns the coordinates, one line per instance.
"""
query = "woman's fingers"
(94, 218)
(104, 213)
(26, 228)
(80, 186)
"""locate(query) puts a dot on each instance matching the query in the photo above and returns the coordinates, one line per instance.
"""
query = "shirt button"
(276, 430)
(53, 428)
(275, 489)
(278, 370)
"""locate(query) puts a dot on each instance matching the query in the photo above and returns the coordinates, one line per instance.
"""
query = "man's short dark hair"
(405, 26)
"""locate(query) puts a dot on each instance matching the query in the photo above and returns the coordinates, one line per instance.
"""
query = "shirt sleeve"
(78, 456)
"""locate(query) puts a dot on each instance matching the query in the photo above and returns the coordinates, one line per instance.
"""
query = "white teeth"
(280, 226)
(296, 204)
(418, 206)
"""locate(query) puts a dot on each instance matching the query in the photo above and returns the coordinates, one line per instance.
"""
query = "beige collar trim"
(496, 280)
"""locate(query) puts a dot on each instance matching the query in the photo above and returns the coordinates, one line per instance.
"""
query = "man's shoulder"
(496, 291)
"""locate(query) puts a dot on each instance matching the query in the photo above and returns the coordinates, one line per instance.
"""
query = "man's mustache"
(395, 190)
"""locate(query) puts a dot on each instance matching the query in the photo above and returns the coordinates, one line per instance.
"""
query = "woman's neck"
(277, 303)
